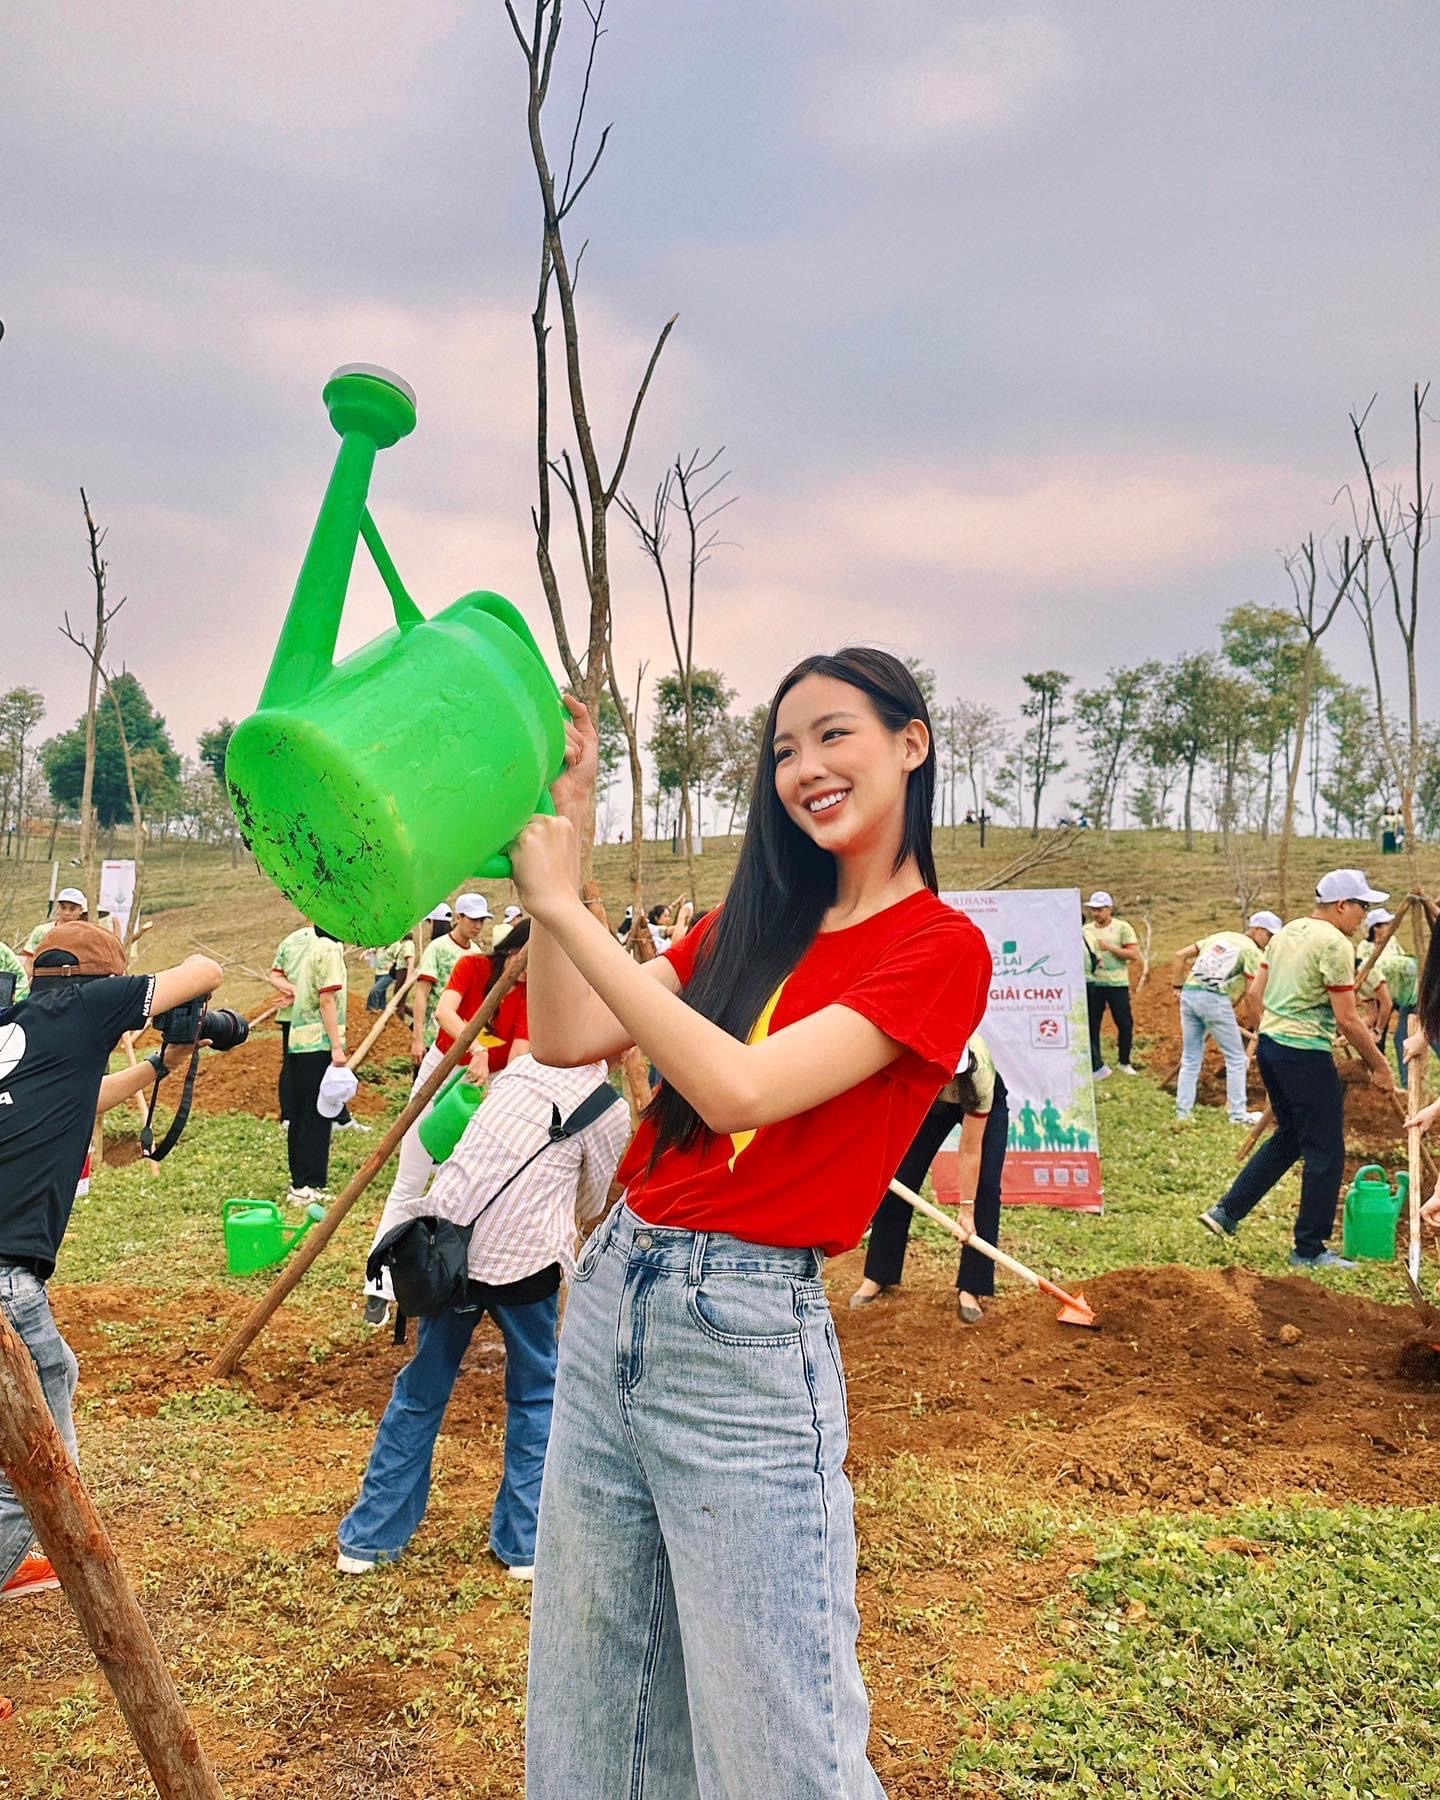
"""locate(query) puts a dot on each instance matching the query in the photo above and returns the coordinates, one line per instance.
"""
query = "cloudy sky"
(1030, 332)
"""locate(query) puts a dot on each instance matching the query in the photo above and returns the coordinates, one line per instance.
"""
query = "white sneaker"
(353, 1565)
(1246, 1118)
(351, 1125)
(1100, 1074)
(1128, 1069)
(522, 1571)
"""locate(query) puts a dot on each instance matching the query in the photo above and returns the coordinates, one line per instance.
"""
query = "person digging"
(1306, 986)
(1214, 978)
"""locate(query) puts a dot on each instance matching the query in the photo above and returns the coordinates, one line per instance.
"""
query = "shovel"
(1074, 1308)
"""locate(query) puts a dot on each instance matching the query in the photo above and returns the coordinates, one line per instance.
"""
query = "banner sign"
(117, 892)
(1037, 1028)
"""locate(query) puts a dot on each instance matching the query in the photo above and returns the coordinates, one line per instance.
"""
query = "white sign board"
(117, 892)
(1037, 1028)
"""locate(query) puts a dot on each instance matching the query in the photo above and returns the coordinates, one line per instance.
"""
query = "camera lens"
(224, 1028)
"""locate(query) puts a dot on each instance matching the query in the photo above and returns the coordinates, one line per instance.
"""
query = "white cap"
(74, 896)
(1378, 915)
(1099, 898)
(513, 912)
(1347, 884)
(442, 911)
(966, 1058)
(1267, 921)
(473, 906)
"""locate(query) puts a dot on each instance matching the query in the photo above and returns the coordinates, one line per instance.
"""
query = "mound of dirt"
(1202, 1387)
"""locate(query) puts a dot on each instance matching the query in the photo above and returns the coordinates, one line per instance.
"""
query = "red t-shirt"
(469, 979)
(921, 972)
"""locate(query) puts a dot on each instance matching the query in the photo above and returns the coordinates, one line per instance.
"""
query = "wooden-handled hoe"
(1075, 1309)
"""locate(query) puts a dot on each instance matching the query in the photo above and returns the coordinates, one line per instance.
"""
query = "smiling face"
(840, 772)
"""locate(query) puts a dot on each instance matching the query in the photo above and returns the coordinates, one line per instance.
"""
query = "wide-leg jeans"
(694, 1624)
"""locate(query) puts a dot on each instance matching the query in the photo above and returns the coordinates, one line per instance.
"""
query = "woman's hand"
(1415, 1045)
(965, 1219)
(1430, 1211)
(1425, 1118)
(544, 864)
(571, 792)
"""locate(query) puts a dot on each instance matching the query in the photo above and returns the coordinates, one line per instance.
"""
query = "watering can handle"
(497, 868)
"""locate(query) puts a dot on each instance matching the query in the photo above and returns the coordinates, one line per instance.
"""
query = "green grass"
(1305, 1661)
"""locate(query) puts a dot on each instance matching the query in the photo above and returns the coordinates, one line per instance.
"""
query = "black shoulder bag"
(428, 1258)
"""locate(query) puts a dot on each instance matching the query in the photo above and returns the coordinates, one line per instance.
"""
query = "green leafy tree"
(710, 700)
(156, 776)
(1180, 727)
(21, 710)
(1108, 721)
(213, 745)
(1268, 644)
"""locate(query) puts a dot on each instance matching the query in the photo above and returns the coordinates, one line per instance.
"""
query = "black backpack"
(428, 1257)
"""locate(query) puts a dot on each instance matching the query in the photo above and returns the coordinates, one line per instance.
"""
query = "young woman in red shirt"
(694, 1621)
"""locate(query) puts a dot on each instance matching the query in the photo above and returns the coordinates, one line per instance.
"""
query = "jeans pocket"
(746, 1310)
(590, 1254)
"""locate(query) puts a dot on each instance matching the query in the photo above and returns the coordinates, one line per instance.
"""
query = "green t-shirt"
(32, 943)
(1244, 947)
(438, 964)
(10, 964)
(319, 968)
(1305, 962)
(1108, 970)
(1401, 972)
(288, 958)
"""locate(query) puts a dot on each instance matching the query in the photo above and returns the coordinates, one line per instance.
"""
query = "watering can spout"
(371, 409)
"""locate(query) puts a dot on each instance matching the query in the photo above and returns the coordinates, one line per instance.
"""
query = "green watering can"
(1372, 1210)
(256, 1236)
(370, 789)
(452, 1110)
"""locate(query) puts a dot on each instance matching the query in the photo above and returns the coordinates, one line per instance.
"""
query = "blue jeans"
(1308, 1100)
(25, 1304)
(396, 1487)
(693, 1627)
(1202, 1012)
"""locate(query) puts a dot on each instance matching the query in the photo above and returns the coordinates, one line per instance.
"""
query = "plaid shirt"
(534, 1222)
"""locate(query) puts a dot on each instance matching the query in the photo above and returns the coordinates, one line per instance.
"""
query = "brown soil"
(1202, 1388)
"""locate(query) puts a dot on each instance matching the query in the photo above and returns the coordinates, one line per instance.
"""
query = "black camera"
(9, 981)
(184, 1024)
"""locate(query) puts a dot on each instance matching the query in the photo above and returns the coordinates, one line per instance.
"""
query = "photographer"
(54, 1048)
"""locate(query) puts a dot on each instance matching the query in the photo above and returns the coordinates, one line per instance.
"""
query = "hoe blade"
(1076, 1310)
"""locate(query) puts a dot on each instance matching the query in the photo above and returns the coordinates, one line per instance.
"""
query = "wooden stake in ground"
(73, 1535)
(226, 1363)
(368, 1042)
(1415, 1078)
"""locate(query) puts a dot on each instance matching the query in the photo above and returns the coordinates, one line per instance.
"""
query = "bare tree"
(980, 739)
(99, 573)
(689, 487)
(1305, 567)
(630, 725)
(592, 490)
(1398, 525)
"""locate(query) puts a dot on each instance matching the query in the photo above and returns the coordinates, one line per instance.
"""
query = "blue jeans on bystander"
(1202, 1013)
(27, 1306)
(396, 1487)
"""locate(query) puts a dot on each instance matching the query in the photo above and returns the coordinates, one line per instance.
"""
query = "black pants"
(890, 1229)
(308, 1141)
(1308, 1100)
(284, 1052)
(1118, 1000)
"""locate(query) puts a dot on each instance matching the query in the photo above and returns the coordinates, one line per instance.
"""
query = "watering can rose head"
(336, 778)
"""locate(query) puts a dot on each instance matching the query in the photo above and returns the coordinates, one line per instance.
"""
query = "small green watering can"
(1372, 1210)
(370, 789)
(256, 1235)
(452, 1110)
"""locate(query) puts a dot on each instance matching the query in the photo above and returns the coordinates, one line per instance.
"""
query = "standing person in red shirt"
(694, 1623)
(470, 984)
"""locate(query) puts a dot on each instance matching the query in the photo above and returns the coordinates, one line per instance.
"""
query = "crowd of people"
(674, 1469)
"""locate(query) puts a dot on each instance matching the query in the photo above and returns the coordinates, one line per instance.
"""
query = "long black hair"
(784, 881)
(513, 940)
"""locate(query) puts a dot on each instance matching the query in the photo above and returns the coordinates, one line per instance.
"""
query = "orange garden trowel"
(1074, 1308)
